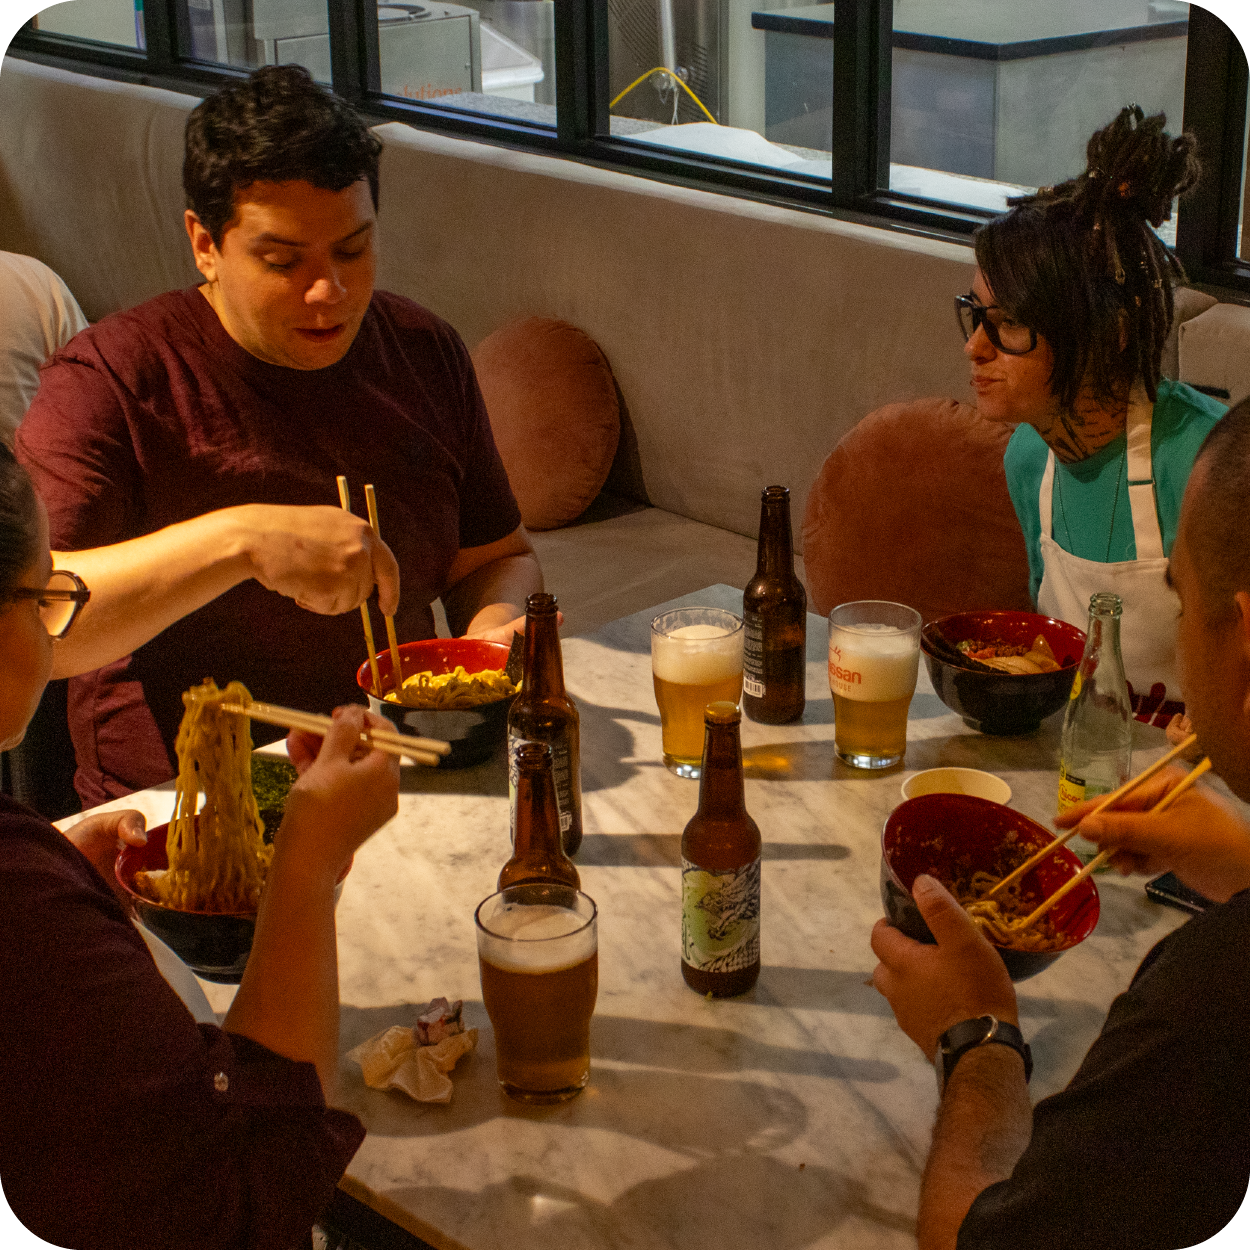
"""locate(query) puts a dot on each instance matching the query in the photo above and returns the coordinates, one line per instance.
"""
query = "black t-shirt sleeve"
(1148, 1148)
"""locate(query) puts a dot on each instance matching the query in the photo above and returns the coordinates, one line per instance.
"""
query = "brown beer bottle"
(720, 869)
(538, 856)
(543, 712)
(774, 614)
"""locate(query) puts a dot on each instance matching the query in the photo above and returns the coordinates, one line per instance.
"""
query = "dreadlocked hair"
(1082, 265)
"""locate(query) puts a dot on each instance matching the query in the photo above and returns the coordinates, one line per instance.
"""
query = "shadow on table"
(708, 1206)
(663, 850)
(490, 778)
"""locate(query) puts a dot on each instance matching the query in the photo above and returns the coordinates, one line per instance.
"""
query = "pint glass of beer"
(874, 653)
(538, 951)
(696, 659)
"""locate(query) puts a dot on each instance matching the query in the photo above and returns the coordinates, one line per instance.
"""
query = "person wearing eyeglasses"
(123, 1121)
(1064, 330)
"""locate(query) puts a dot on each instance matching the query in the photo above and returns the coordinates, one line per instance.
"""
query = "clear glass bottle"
(1096, 750)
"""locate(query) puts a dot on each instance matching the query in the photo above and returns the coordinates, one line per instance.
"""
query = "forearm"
(983, 1126)
(493, 594)
(140, 587)
(289, 996)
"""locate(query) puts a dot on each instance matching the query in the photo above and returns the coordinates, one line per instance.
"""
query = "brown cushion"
(912, 506)
(554, 412)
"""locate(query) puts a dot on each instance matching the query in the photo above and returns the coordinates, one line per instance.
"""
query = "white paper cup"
(957, 781)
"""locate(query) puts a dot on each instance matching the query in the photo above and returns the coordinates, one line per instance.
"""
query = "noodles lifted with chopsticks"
(995, 917)
(457, 689)
(218, 861)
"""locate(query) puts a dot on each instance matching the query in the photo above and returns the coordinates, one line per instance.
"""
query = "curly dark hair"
(19, 521)
(1081, 264)
(277, 126)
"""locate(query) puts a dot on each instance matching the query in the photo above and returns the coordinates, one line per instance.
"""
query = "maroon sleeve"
(122, 1121)
(75, 442)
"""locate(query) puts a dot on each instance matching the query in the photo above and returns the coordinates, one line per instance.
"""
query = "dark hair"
(1216, 529)
(1081, 264)
(19, 521)
(277, 126)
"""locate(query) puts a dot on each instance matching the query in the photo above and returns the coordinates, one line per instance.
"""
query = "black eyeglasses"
(1007, 334)
(59, 602)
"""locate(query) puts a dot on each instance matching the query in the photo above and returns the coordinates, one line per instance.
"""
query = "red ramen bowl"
(214, 945)
(1002, 703)
(953, 835)
(474, 733)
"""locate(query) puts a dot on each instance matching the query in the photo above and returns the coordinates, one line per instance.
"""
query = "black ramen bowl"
(950, 836)
(1002, 703)
(474, 733)
(214, 945)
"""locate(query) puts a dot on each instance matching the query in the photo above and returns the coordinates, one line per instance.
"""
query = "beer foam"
(873, 664)
(697, 655)
(536, 938)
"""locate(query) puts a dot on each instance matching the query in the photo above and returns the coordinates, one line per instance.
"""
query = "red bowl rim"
(1087, 886)
(364, 678)
(1062, 626)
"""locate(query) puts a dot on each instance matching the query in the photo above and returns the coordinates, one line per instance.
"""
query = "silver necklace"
(1115, 503)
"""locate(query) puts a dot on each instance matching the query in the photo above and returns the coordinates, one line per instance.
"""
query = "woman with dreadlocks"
(1065, 326)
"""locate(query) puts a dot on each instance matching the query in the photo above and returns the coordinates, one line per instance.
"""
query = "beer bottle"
(542, 712)
(774, 613)
(720, 869)
(538, 856)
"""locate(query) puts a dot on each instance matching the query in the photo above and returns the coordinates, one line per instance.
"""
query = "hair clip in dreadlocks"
(1137, 300)
(1125, 188)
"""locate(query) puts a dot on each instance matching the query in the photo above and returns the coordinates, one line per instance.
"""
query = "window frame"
(1215, 111)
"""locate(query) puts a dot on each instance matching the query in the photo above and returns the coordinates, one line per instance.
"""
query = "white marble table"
(798, 1115)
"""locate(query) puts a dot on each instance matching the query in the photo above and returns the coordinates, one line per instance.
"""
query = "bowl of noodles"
(453, 689)
(1003, 672)
(969, 844)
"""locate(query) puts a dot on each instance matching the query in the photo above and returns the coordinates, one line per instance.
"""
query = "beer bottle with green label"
(720, 869)
(1096, 750)
(774, 616)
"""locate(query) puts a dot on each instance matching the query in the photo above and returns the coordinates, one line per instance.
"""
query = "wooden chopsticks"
(1114, 797)
(423, 750)
(397, 669)
(346, 502)
(1097, 862)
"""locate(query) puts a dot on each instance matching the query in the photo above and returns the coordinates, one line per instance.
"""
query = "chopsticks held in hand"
(397, 669)
(1114, 797)
(1097, 862)
(346, 501)
(422, 750)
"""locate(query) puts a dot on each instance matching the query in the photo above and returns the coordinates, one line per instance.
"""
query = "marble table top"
(797, 1115)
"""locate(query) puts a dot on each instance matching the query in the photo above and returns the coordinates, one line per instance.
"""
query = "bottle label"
(720, 917)
(752, 655)
(1074, 790)
(563, 780)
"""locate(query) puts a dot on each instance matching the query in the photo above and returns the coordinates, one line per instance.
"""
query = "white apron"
(1151, 607)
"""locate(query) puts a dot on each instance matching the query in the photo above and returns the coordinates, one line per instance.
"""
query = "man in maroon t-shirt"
(282, 370)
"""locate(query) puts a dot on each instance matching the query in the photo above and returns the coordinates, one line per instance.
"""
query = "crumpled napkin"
(418, 1060)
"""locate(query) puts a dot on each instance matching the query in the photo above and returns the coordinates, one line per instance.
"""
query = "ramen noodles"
(217, 857)
(996, 917)
(457, 689)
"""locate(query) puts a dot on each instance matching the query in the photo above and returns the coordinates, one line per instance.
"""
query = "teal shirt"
(1085, 493)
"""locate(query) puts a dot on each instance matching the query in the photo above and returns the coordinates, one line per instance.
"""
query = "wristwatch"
(960, 1038)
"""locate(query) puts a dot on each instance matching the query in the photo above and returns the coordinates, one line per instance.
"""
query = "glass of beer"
(538, 951)
(874, 654)
(696, 659)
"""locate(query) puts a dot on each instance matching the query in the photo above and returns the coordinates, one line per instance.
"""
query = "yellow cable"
(663, 69)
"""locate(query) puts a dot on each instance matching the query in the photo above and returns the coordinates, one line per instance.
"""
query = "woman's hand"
(1200, 837)
(101, 836)
(346, 791)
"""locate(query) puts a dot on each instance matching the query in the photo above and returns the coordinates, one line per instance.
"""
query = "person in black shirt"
(1148, 1147)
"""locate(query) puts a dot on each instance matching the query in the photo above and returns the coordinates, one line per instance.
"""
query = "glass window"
(991, 97)
(119, 22)
(251, 33)
(743, 80)
(486, 56)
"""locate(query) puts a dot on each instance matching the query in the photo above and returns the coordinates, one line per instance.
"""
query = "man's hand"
(1179, 728)
(503, 633)
(326, 559)
(1199, 838)
(931, 988)
(101, 836)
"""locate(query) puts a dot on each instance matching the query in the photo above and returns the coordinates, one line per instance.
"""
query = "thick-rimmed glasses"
(1007, 334)
(59, 602)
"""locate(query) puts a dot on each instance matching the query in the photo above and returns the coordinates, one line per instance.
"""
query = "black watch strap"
(967, 1035)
